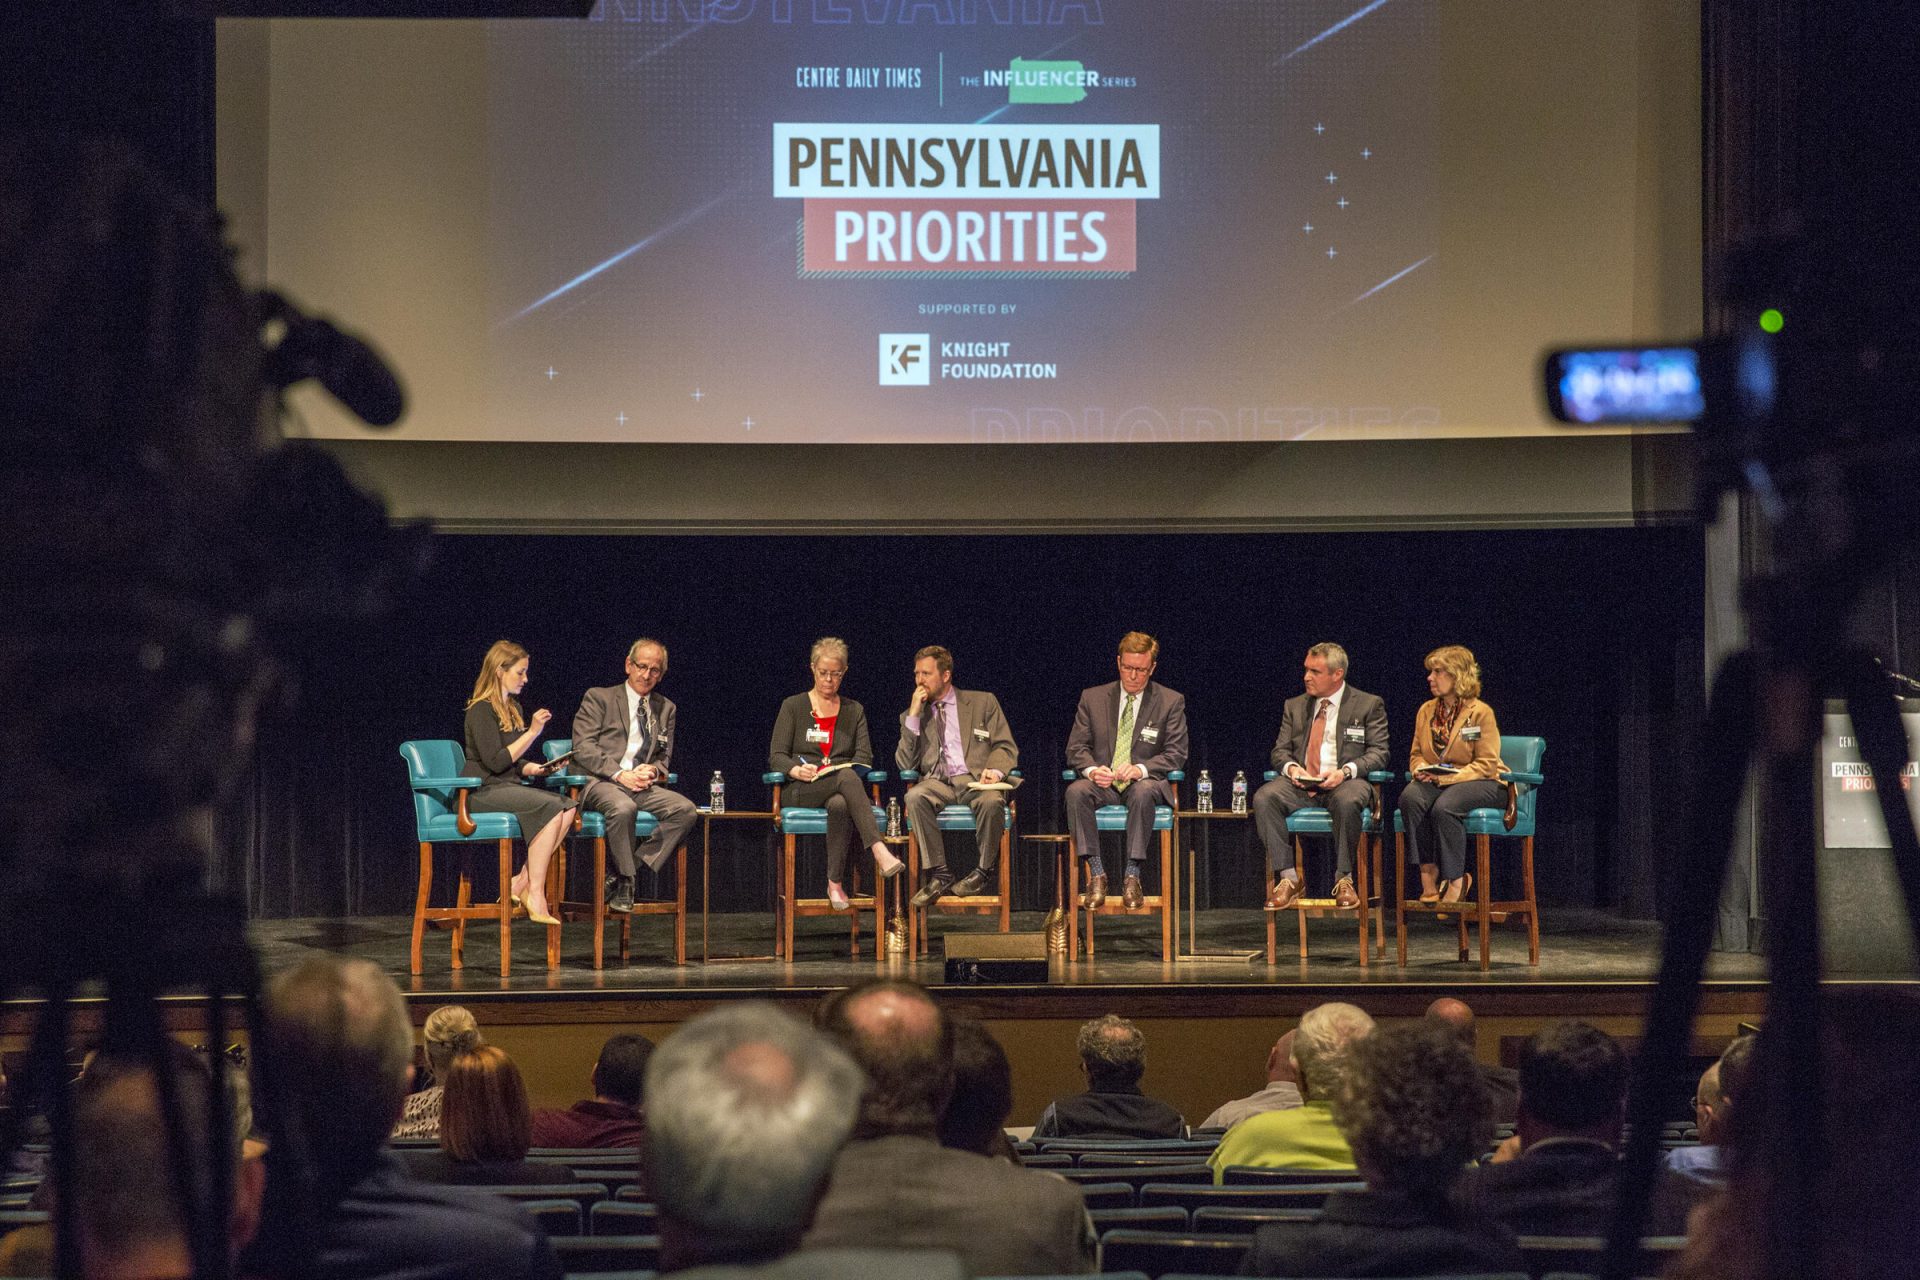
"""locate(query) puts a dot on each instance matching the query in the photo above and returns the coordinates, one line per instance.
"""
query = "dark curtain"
(1582, 635)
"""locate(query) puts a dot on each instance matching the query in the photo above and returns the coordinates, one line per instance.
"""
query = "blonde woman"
(450, 1031)
(499, 735)
(817, 732)
(1456, 768)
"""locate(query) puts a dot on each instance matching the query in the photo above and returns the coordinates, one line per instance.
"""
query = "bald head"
(896, 1033)
(1454, 1014)
(1280, 1063)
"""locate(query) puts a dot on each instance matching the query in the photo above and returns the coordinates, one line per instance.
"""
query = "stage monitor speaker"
(996, 957)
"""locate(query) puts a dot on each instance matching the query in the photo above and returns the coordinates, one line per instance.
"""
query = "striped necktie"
(1123, 749)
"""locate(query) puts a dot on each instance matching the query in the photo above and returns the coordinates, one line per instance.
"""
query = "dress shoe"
(938, 883)
(540, 917)
(1344, 894)
(974, 881)
(1286, 892)
(837, 897)
(1096, 895)
(1132, 896)
(620, 894)
(888, 865)
(1457, 890)
(1429, 882)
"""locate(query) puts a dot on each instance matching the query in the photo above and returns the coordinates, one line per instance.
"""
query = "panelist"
(498, 735)
(953, 738)
(1127, 737)
(820, 742)
(1456, 768)
(623, 740)
(1331, 737)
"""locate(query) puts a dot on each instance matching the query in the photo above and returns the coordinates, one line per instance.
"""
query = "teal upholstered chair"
(1524, 757)
(440, 817)
(958, 817)
(1113, 817)
(592, 825)
(1367, 881)
(793, 822)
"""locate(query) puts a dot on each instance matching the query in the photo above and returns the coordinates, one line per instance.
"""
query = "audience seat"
(14, 1219)
(623, 1218)
(1130, 1160)
(608, 1253)
(1139, 1176)
(1129, 1146)
(1582, 1254)
(584, 1194)
(556, 1216)
(629, 1194)
(1159, 1252)
(1038, 1161)
(1109, 1195)
(1246, 1175)
(1164, 1218)
(1193, 1197)
(1245, 1221)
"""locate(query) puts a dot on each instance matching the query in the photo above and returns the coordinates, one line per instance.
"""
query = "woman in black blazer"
(819, 731)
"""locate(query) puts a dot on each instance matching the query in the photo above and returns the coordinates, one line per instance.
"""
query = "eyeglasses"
(1135, 670)
(828, 675)
(646, 668)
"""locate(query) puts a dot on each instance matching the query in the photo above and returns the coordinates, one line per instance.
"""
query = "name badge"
(1150, 734)
(980, 734)
(1356, 733)
(1471, 733)
(816, 734)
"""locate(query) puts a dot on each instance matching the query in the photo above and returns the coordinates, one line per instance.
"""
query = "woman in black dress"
(816, 733)
(499, 735)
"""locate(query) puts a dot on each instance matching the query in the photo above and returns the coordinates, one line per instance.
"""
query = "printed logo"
(903, 360)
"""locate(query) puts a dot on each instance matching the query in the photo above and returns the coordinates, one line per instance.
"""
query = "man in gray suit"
(1127, 737)
(623, 739)
(953, 738)
(1331, 737)
(895, 1182)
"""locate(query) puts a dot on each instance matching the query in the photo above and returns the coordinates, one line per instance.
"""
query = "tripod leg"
(1883, 744)
(1725, 757)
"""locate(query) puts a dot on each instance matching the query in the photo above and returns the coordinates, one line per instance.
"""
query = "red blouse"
(825, 725)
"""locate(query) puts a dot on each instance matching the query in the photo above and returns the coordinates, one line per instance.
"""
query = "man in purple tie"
(955, 738)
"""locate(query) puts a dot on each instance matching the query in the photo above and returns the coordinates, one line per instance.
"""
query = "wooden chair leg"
(1168, 891)
(786, 897)
(462, 898)
(1400, 895)
(1482, 862)
(1360, 886)
(1006, 879)
(680, 904)
(1533, 904)
(599, 903)
(1273, 947)
(420, 899)
(1299, 912)
(506, 908)
(1380, 893)
(1073, 902)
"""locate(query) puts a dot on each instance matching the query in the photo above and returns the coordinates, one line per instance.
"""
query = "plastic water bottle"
(1239, 790)
(893, 815)
(717, 794)
(1203, 794)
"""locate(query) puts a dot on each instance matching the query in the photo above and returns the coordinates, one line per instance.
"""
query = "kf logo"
(903, 360)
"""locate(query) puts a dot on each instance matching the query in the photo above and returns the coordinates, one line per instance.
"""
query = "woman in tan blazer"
(1456, 768)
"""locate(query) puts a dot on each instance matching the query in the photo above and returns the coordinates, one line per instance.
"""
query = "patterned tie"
(1316, 736)
(642, 739)
(1123, 749)
(940, 768)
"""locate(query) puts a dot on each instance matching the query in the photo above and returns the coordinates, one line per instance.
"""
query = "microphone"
(351, 370)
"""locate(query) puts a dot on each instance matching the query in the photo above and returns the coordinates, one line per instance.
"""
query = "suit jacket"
(1563, 1187)
(789, 742)
(913, 1193)
(1159, 729)
(1381, 1233)
(600, 732)
(984, 736)
(1359, 730)
(1474, 744)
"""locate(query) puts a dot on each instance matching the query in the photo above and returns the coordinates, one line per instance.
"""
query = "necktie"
(941, 765)
(642, 739)
(1123, 749)
(1315, 737)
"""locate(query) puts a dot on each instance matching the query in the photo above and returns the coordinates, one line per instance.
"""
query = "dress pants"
(1279, 798)
(847, 803)
(929, 795)
(675, 813)
(1140, 797)
(1436, 819)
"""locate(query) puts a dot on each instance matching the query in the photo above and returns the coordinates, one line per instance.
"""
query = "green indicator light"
(1772, 321)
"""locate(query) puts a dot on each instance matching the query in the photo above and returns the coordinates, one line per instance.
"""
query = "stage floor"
(1582, 948)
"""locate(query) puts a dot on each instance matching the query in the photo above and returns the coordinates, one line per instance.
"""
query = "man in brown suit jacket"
(953, 738)
(895, 1182)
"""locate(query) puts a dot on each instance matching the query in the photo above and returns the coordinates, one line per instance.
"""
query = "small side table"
(707, 818)
(1193, 951)
(1066, 883)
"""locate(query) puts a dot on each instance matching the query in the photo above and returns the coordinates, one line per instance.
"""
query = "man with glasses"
(623, 739)
(1127, 737)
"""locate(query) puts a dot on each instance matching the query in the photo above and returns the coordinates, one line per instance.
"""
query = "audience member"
(1573, 1094)
(613, 1117)
(1502, 1083)
(976, 1116)
(127, 1217)
(1303, 1137)
(894, 1181)
(484, 1127)
(1705, 1165)
(1113, 1057)
(1864, 1196)
(747, 1109)
(339, 1049)
(1413, 1110)
(449, 1032)
(1281, 1094)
